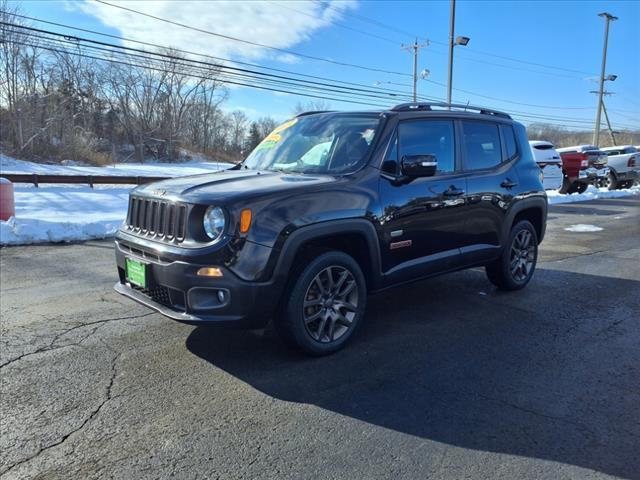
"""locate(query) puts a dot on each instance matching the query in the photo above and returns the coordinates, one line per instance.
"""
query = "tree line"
(56, 105)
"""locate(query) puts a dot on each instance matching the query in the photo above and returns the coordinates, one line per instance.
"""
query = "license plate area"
(136, 272)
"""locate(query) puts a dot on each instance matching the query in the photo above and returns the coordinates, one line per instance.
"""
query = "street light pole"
(608, 18)
(452, 22)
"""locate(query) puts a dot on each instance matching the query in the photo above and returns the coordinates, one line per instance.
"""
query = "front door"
(423, 219)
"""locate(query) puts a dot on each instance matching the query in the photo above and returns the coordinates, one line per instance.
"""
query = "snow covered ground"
(592, 193)
(64, 213)
(12, 165)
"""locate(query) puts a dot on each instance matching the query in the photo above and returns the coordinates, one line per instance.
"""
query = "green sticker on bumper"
(136, 272)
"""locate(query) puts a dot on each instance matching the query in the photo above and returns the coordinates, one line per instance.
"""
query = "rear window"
(543, 147)
(481, 145)
(589, 147)
(509, 140)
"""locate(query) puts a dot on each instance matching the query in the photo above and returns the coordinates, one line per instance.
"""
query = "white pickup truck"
(624, 167)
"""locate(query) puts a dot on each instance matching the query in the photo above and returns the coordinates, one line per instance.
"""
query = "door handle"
(453, 192)
(508, 183)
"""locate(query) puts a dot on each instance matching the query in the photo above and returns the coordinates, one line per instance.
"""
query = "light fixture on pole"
(462, 41)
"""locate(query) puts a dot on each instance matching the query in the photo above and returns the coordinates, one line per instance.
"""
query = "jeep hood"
(229, 184)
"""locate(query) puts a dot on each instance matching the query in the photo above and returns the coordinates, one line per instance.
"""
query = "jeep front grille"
(159, 219)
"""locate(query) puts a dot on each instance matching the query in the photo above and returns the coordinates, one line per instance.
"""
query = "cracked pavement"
(448, 378)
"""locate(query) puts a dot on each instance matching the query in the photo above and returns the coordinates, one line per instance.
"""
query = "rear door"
(489, 151)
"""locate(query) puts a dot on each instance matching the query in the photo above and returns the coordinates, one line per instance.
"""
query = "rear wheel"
(515, 267)
(566, 185)
(581, 187)
(324, 305)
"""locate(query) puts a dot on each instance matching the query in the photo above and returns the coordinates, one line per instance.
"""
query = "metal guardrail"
(36, 179)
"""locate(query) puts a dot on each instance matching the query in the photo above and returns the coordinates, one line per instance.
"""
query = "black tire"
(329, 321)
(566, 185)
(503, 272)
(580, 187)
(611, 181)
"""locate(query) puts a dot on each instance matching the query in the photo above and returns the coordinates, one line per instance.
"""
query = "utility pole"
(415, 47)
(452, 23)
(608, 18)
(606, 117)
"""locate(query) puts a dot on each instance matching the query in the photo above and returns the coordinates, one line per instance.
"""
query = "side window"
(428, 137)
(481, 143)
(509, 140)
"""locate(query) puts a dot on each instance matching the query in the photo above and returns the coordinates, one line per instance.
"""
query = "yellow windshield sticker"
(274, 137)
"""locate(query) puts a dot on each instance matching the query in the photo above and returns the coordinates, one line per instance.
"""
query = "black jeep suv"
(331, 207)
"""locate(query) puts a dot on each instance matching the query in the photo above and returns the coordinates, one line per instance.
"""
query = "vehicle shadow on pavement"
(455, 361)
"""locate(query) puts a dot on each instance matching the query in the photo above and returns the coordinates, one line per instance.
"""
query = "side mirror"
(414, 166)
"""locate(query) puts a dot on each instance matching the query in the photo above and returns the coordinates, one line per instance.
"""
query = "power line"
(232, 82)
(390, 91)
(204, 55)
(337, 24)
(208, 64)
(241, 76)
(256, 44)
(380, 24)
(225, 77)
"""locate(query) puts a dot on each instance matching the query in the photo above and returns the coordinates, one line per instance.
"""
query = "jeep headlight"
(213, 222)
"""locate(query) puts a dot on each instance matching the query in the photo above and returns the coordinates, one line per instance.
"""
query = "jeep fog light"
(213, 222)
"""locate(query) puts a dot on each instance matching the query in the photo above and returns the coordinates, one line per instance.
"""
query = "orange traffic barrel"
(7, 203)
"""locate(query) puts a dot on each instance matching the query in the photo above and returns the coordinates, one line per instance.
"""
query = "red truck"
(582, 165)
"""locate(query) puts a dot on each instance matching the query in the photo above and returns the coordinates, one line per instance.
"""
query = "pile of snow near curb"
(591, 193)
(12, 165)
(68, 213)
(64, 214)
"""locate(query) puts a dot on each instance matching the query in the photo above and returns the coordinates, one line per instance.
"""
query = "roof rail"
(311, 112)
(427, 106)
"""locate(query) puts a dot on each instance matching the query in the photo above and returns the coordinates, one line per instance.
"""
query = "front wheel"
(515, 267)
(325, 304)
(610, 181)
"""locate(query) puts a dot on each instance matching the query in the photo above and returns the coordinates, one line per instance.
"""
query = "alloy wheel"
(330, 304)
(522, 256)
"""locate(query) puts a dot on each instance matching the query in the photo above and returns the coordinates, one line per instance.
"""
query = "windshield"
(329, 143)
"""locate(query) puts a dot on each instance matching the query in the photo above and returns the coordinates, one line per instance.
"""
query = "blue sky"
(559, 33)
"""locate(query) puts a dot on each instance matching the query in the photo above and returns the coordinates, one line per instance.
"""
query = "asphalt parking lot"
(448, 379)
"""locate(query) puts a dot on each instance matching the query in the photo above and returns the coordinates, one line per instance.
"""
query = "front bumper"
(592, 174)
(175, 290)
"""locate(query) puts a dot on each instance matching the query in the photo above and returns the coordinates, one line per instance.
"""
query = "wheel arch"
(532, 209)
(355, 237)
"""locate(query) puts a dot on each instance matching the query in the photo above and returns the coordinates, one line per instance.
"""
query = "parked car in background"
(582, 165)
(549, 161)
(624, 163)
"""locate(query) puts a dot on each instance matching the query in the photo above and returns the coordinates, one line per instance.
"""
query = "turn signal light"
(245, 220)
(210, 272)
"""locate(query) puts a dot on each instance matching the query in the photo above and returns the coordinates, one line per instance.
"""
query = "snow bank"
(591, 193)
(12, 165)
(64, 213)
